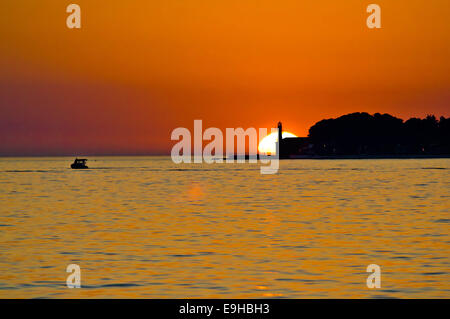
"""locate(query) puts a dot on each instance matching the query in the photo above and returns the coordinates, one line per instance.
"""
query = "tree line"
(380, 134)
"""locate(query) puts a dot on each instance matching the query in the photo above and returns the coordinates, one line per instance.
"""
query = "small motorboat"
(79, 163)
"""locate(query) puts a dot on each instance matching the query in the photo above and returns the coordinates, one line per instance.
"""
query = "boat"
(79, 163)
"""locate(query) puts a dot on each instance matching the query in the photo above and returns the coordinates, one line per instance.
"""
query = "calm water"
(145, 227)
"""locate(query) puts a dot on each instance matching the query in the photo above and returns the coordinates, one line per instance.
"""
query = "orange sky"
(137, 69)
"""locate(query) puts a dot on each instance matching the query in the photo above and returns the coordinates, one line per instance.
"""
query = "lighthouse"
(291, 146)
(280, 137)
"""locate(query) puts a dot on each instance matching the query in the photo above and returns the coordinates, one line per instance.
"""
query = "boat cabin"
(79, 163)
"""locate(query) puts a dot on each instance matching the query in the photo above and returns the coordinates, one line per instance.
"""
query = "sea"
(145, 227)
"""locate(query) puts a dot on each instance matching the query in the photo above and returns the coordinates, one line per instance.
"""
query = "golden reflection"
(228, 232)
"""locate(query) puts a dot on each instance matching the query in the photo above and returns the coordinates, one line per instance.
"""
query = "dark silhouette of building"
(292, 146)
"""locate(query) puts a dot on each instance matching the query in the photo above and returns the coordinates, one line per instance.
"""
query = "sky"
(138, 69)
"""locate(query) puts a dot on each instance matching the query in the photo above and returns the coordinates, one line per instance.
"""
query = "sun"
(267, 144)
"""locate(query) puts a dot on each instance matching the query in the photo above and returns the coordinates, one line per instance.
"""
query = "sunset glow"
(146, 152)
(268, 143)
(138, 69)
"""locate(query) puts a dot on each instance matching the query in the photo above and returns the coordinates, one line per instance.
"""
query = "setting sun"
(267, 144)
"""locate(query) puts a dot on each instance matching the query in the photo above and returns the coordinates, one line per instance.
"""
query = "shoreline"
(328, 157)
(367, 156)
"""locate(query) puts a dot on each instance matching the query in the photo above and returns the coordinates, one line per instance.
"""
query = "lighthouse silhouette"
(280, 137)
(290, 147)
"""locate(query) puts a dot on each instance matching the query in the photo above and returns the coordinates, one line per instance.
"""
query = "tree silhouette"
(380, 134)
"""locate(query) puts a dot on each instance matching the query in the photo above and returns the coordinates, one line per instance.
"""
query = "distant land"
(361, 135)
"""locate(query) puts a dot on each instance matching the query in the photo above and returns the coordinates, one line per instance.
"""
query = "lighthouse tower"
(280, 137)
